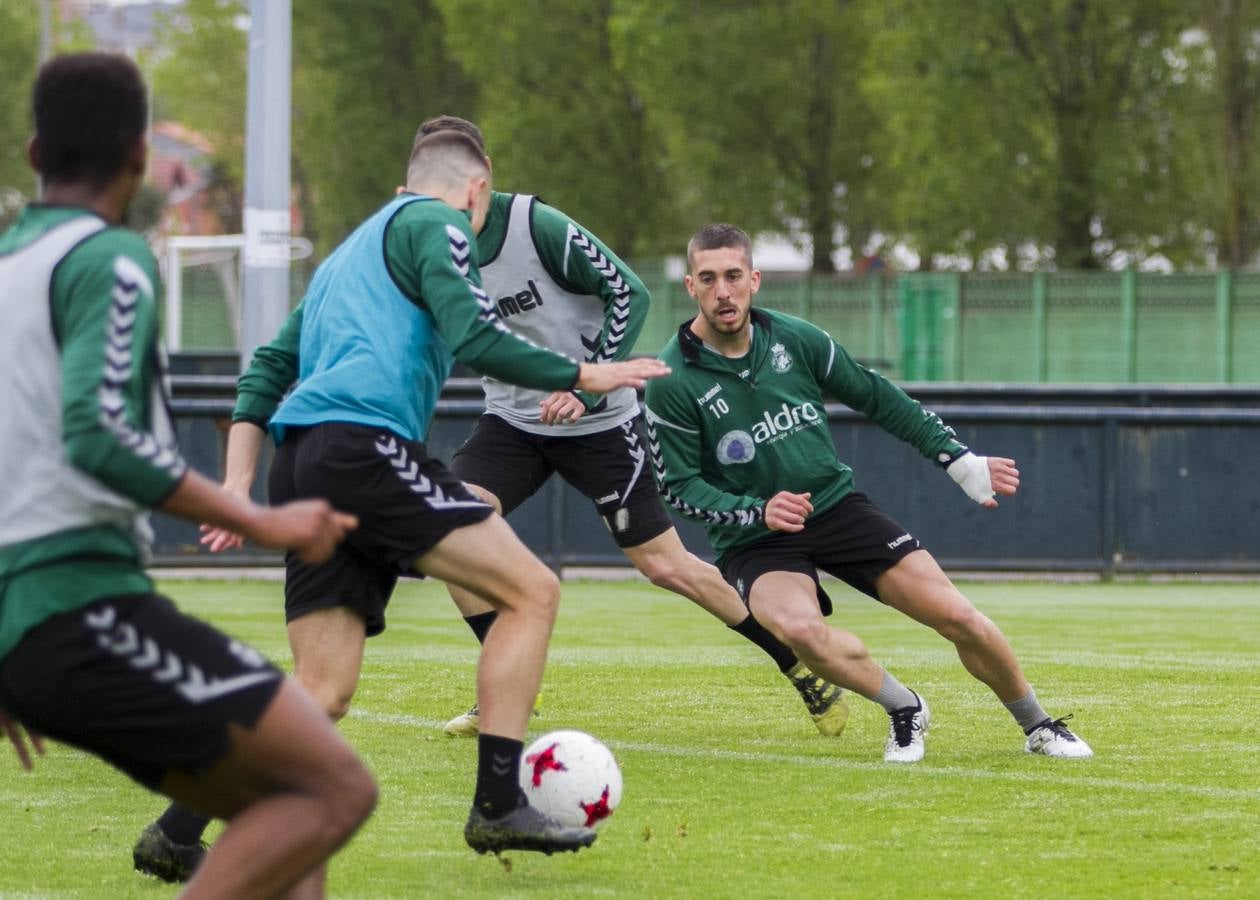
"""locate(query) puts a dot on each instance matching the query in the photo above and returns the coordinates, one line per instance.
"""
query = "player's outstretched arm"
(18, 736)
(981, 477)
(635, 373)
(311, 528)
(245, 441)
(786, 511)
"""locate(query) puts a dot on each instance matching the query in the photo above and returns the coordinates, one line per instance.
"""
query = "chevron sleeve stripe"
(736, 513)
(446, 261)
(129, 279)
(617, 320)
(461, 253)
(115, 426)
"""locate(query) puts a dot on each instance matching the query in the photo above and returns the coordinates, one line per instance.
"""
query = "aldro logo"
(740, 446)
(788, 420)
(521, 301)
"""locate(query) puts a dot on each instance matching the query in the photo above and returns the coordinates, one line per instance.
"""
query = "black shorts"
(406, 503)
(854, 541)
(138, 683)
(611, 468)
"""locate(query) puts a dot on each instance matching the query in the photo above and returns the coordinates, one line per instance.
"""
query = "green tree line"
(999, 134)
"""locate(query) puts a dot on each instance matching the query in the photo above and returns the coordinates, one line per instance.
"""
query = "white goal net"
(202, 274)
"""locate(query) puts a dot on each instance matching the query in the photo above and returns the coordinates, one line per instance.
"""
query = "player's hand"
(786, 511)
(981, 477)
(216, 539)
(18, 737)
(311, 528)
(561, 407)
(607, 377)
(1003, 475)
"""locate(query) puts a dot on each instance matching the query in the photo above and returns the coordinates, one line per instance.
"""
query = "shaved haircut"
(717, 237)
(445, 158)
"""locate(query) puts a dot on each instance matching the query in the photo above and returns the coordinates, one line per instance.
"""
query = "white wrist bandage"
(971, 473)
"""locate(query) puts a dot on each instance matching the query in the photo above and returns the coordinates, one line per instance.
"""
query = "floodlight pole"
(265, 275)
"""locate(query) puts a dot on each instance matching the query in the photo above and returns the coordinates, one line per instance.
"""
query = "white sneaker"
(466, 725)
(1052, 738)
(906, 729)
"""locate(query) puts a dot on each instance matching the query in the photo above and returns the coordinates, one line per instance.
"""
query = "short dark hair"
(717, 236)
(450, 123)
(90, 109)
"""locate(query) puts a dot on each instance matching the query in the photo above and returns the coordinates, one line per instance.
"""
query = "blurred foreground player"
(89, 654)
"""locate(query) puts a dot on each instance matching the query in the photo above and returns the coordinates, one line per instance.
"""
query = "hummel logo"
(893, 545)
(709, 394)
(519, 302)
(501, 764)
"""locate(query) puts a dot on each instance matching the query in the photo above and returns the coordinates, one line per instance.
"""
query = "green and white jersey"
(728, 434)
(87, 444)
(557, 285)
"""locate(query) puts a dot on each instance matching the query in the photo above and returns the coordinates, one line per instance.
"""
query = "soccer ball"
(571, 777)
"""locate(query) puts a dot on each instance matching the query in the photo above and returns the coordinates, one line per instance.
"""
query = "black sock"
(498, 788)
(750, 628)
(183, 825)
(481, 623)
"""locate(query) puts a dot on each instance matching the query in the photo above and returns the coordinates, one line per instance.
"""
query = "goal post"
(202, 275)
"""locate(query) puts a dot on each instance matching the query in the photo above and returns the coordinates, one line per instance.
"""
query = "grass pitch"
(729, 791)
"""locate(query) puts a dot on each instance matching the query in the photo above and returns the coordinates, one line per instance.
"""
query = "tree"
(762, 117)
(560, 115)
(19, 51)
(1233, 31)
(1028, 124)
(199, 76)
(366, 73)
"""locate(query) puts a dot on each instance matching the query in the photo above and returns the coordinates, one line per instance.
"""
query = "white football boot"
(1052, 738)
(906, 729)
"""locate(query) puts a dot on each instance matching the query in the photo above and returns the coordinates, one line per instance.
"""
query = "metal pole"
(45, 31)
(265, 274)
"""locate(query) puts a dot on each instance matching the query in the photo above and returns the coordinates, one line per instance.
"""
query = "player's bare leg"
(292, 792)
(327, 647)
(526, 597)
(667, 563)
(787, 604)
(918, 587)
(670, 565)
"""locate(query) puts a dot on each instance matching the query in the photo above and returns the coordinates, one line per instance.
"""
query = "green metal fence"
(1041, 327)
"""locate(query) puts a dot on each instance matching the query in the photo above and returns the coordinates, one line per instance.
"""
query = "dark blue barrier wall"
(1129, 479)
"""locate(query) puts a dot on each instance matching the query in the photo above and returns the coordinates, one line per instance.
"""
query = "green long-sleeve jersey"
(87, 444)
(728, 434)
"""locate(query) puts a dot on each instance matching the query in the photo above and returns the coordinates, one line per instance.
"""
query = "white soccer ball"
(572, 777)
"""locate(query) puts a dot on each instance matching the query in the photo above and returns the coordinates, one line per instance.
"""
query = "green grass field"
(729, 791)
